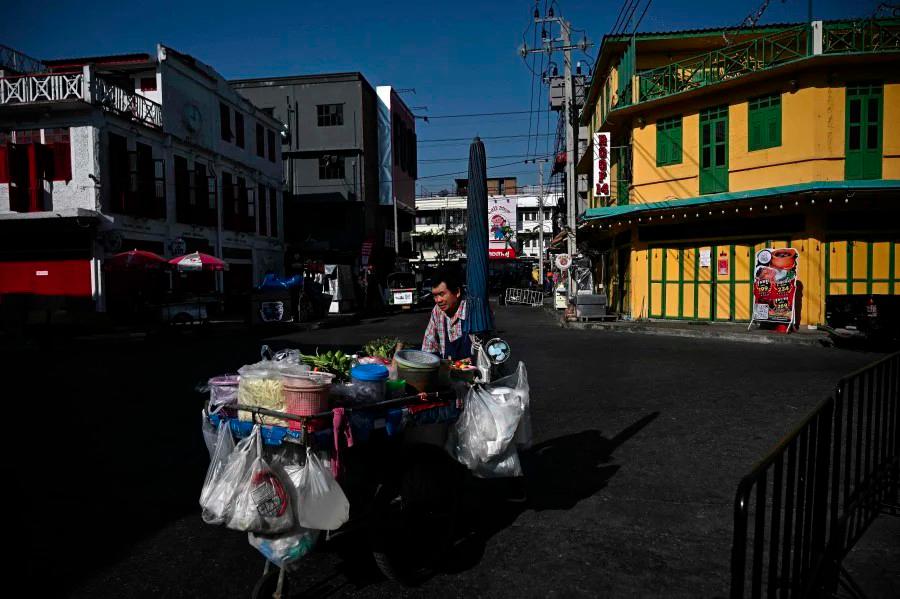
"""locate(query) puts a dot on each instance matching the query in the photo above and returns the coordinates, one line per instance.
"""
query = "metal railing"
(803, 506)
(726, 63)
(861, 36)
(27, 89)
(63, 87)
(127, 103)
(16, 61)
(525, 297)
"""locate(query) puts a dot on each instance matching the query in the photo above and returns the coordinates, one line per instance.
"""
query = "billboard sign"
(601, 165)
(501, 227)
(775, 285)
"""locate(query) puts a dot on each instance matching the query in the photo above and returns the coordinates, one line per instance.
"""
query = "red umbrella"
(134, 260)
(197, 261)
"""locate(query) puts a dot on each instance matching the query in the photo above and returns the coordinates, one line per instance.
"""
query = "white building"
(441, 225)
(105, 154)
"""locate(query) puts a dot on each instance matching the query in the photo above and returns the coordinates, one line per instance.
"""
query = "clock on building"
(192, 117)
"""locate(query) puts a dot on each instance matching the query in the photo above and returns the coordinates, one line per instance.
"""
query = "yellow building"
(724, 142)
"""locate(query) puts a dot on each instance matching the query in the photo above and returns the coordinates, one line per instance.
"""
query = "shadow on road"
(559, 473)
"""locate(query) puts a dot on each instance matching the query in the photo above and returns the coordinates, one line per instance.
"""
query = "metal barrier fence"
(526, 297)
(815, 494)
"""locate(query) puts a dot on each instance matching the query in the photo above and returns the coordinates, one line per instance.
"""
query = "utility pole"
(540, 162)
(569, 112)
(563, 44)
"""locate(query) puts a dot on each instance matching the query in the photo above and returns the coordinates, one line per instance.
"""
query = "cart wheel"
(266, 586)
(415, 529)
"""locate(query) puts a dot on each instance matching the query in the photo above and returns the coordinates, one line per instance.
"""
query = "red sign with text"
(501, 253)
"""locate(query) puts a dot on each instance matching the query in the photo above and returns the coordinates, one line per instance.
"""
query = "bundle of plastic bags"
(319, 504)
(493, 423)
(241, 490)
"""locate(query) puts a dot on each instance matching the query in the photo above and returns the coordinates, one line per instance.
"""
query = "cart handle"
(409, 399)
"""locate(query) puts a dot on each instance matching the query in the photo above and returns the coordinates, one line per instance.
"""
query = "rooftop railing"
(72, 87)
(759, 54)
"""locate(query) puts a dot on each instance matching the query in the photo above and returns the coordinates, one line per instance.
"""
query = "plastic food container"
(306, 395)
(223, 394)
(418, 368)
(369, 381)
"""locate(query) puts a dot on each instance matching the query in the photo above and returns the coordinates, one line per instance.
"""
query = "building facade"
(105, 154)
(722, 143)
(440, 234)
(349, 163)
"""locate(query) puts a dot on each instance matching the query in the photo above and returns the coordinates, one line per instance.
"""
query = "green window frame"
(668, 141)
(714, 150)
(764, 122)
(864, 131)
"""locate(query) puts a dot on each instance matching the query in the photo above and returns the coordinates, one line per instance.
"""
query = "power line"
(466, 158)
(483, 137)
(474, 114)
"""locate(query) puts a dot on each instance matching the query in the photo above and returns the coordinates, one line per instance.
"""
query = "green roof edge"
(731, 196)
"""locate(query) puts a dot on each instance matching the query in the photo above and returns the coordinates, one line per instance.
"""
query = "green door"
(864, 107)
(714, 150)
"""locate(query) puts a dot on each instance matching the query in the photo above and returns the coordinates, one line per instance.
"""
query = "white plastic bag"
(222, 449)
(210, 434)
(321, 503)
(283, 550)
(217, 500)
(494, 420)
(262, 502)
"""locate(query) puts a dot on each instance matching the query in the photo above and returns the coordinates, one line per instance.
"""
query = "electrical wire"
(483, 137)
(473, 114)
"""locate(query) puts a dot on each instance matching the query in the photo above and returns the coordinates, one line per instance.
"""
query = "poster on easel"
(775, 286)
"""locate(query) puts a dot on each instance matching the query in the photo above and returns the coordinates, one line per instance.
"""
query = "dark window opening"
(260, 141)
(229, 203)
(118, 172)
(239, 129)
(273, 212)
(271, 140)
(225, 121)
(263, 212)
(60, 151)
(148, 84)
(330, 115)
(331, 167)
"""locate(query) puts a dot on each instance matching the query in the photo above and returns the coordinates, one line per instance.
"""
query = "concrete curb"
(711, 331)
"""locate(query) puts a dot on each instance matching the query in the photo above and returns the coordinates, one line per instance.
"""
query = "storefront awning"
(611, 212)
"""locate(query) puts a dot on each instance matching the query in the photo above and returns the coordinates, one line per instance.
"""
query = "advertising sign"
(775, 285)
(563, 261)
(501, 227)
(601, 164)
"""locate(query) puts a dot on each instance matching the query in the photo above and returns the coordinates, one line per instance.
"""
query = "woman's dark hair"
(449, 276)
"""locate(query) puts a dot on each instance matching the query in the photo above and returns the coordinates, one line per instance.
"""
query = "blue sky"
(459, 56)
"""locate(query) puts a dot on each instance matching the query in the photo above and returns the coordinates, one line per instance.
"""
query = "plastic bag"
(283, 550)
(262, 502)
(210, 434)
(321, 503)
(217, 498)
(492, 423)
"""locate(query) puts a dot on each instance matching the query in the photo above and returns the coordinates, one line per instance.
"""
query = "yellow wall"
(812, 142)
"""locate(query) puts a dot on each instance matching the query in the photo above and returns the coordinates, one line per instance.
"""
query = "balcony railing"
(724, 64)
(861, 36)
(65, 87)
(127, 103)
(758, 54)
(28, 89)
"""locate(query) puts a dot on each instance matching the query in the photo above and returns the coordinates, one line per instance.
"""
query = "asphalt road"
(639, 444)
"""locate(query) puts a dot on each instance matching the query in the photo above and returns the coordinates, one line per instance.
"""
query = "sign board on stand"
(501, 227)
(563, 261)
(775, 286)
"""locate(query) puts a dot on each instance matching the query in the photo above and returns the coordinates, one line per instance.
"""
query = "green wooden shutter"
(714, 150)
(864, 131)
(764, 122)
(668, 141)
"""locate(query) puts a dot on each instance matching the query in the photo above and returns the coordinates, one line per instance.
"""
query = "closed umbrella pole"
(479, 318)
